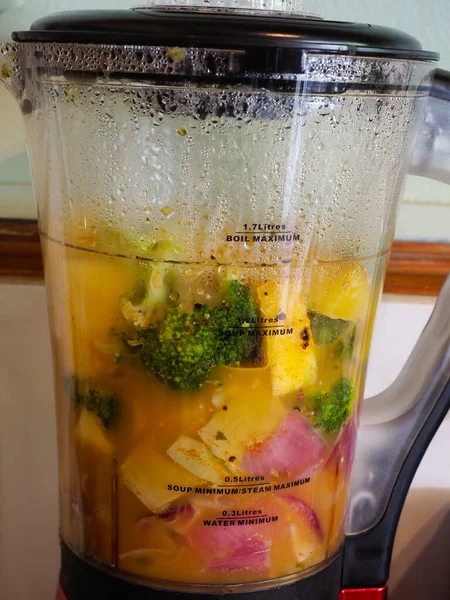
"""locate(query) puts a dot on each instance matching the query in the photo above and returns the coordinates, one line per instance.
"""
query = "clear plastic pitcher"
(216, 207)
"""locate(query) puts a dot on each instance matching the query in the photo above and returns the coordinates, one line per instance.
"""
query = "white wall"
(28, 491)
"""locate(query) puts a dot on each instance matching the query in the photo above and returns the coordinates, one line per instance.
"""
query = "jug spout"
(10, 72)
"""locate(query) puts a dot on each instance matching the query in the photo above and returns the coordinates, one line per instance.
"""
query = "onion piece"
(252, 554)
(305, 530)
(302, 510)
(230, 546)
(179, 517)
(295, 449)
(345, 445)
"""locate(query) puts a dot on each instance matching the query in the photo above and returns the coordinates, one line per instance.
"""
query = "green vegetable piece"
(349, 346)
(103, 404)
(332, 409)
(106, 408)
(182, 348)
(152, 306)
(158, 250)
(326, 330)
(71, 93)
(176, 53)
(232, 318)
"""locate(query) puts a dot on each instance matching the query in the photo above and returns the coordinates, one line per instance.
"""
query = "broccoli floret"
(332, 409)
(106, 407)
(182, 348)
(163, 250)
(152, 306)
(326, 330)
(103, 404)
(234, 315)
(148, 305)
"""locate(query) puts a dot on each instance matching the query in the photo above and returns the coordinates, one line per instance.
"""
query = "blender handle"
(397, 427)
(431, 152)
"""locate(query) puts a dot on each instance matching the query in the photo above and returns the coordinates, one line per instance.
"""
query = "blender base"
(80, 580)
(362, 594)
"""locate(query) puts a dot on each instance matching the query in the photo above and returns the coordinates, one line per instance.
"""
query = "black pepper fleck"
(305, 334)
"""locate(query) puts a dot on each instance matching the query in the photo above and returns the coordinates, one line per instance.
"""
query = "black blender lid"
(215, 29)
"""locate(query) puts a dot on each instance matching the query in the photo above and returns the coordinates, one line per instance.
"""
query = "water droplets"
(161, 160)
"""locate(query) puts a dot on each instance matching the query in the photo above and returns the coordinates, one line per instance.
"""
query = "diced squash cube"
(95, 461)
(96, 285)
(90, 432)
(195, 457)
(155, 478)
(93, 287)
(293, 366)
(249, 420)
(339, 291)
(291, 355)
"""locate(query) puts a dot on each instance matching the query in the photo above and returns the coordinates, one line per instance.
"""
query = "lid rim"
(223, 31)
(317, 47)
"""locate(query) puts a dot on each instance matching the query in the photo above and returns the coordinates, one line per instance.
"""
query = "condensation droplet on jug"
(167, 211)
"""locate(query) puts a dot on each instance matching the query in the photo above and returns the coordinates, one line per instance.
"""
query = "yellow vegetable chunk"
(195, 457)
(95, 459)
(339, 291)
(249, 420)
(96, 288)
(291, 356)
(90, 432)
(155, 478)
(92, 291)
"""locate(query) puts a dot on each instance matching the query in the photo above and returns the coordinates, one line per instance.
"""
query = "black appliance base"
(80, 580)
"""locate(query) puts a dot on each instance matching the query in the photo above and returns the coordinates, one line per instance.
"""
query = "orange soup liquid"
(237, 471)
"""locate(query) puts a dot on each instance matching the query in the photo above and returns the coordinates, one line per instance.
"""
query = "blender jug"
(217, 193)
